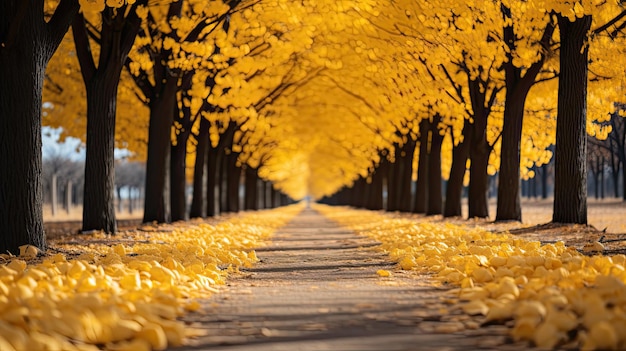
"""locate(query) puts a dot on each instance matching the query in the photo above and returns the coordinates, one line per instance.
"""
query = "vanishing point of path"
(316, 288)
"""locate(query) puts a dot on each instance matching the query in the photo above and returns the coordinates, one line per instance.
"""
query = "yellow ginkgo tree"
(28, 38)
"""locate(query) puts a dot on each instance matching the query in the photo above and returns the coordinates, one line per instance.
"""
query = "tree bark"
(251, 189)
(178, 183)
(156, 208)
(544, 181)
(275, 195)
(393, 201)
(214, 168)
(517, 88)
(570, 183)
(375, 195)
(117, 35)
(68, 197)
(199, 200)
(420, 204)
(26, 44)
(99, 190)
(435, 205)
(478, 205)
(233, 180)
(54, 194)
(454, 189)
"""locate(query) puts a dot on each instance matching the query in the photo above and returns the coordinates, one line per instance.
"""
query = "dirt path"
(316, 288)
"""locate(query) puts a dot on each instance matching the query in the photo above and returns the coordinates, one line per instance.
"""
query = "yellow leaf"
(383, 273)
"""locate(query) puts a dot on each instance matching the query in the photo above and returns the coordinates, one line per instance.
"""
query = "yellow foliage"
(125, 296)
(547, 290)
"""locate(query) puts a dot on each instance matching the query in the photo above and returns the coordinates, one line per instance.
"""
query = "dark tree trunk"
(233, 180)
(99, 188)
(119, 199)
(213, 171)
(435, 205)
(178, 183)
(375, 195)
(130, 199)
(222, 184)
(28, 42)
(405, 174)
(596, 177)
(68, 196)
(614, 165)
(454, 188)
(198, 201)
(393, 201)
(116, 39)
(509, 207)
(570, 180)
(544, 181)
(601, 172)
(157, 166)
(262, 195)
(420, 204)
(275, 195)
(478, 205)
(269, 191)
(517, 88)
(533, 183)
(251, 191)
(360, 191)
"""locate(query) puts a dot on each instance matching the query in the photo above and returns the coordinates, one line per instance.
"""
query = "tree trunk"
(570, 183)
(130, 200)
(275, 195)
(54, 194)
(375, 195)
(233, 180)
(178, 183)
(213, 170)
(420, 204)
(28, 42)
(119, 198)
(517, 88)
(251, 200)
(157, 166)
(406, 173)
(261, 194)
(198, 202)
(435, 205)
(99, 190)
(392, 184)
(117, 35)
(509, 208)
(544, 181)
(68, 197)
(601, 171)
(454, 188)
(478, 205)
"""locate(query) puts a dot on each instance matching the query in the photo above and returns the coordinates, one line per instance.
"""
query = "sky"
(71, 148)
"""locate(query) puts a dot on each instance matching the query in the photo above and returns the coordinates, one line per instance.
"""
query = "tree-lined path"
(316, 288)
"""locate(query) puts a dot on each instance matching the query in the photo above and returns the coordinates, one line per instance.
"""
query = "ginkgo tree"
(28, 39)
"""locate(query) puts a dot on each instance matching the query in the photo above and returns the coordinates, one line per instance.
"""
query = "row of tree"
(310, 96)
(487, 58)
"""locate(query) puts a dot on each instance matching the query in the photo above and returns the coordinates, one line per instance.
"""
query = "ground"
(318, 286)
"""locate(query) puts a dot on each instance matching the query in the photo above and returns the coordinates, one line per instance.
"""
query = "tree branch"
(59, 23)
(83, 48)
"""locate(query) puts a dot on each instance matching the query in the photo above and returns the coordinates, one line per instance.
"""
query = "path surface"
(316, 288)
